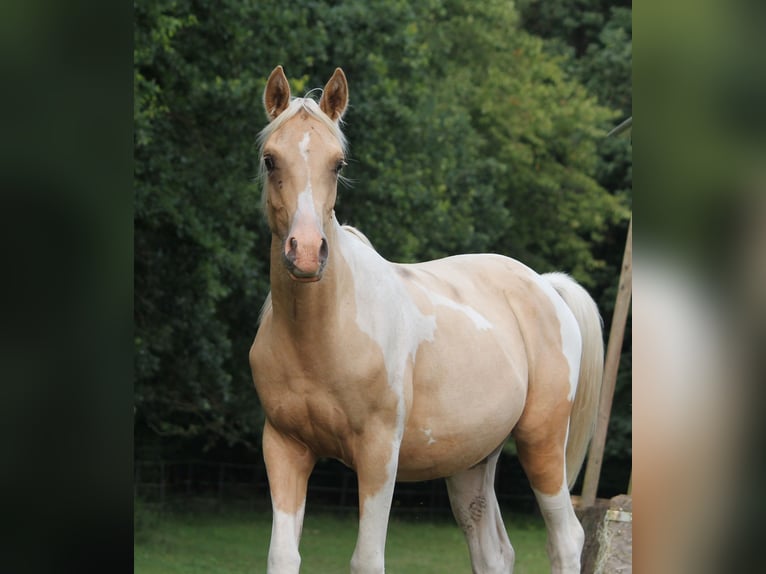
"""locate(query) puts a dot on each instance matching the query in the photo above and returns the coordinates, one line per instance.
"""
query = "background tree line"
(473, 127)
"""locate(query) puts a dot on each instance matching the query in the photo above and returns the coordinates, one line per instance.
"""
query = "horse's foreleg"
(376, 465)
(474, 504)
(288, 465)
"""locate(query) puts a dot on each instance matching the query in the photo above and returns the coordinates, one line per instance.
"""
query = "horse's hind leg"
(473, 501)
(542, 455)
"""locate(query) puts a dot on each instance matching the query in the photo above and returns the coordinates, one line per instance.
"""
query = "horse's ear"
(335, 96)
(276, 96)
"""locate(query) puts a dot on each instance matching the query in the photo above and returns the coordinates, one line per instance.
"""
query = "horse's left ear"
(335, 96)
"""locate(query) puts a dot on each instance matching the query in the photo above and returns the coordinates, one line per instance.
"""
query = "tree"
(197, 277)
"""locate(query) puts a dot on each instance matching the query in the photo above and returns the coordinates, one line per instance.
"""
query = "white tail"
(583, 418)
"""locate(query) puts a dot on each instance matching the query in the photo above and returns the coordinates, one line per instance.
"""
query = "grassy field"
(237, 542)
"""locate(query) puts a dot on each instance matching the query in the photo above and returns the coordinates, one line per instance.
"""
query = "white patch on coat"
(387, 314)
(428, 433)
(369, 554)
(565, 533)
(284, 556)
(384, 309)
(481, 323)
(571, 338)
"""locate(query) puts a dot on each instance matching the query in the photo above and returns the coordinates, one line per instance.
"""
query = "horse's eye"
(340, 165)
(268, 161)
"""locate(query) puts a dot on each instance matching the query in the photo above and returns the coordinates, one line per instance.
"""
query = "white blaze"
(303, 147)
(306, 197)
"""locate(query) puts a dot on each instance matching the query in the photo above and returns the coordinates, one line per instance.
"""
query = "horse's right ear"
(276, 96)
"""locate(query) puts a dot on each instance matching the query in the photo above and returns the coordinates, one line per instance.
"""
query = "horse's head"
(302, 154)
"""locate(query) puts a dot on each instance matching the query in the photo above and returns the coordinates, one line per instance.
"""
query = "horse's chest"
(317, 418)
(324, 404)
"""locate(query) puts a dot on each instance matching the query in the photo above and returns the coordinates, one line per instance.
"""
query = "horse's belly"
(461, 412)
(436, 447)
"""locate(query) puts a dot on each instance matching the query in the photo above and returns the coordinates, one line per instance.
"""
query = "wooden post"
(611, 365)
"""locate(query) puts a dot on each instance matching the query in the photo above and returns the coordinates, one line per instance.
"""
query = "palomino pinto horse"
(409, 372)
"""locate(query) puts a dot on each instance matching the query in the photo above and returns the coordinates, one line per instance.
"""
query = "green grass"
(237, 542)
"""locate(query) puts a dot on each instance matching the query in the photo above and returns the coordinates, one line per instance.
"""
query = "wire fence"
(332, 488)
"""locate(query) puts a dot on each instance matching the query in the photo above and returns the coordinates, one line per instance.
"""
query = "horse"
(409, 372)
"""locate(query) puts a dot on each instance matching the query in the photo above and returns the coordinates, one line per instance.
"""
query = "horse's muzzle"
(305, 257)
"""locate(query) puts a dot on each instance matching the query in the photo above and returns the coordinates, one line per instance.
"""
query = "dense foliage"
(468, 132)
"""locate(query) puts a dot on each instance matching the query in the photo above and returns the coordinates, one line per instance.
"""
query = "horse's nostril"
(323, 250)
(293, 244)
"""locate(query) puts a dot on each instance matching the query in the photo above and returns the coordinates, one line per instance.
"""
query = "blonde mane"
(296, 105)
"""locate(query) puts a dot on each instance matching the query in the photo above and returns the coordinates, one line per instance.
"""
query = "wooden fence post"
(611, 365)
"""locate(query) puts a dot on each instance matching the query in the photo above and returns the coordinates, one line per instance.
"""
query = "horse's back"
(486, 294)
